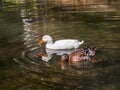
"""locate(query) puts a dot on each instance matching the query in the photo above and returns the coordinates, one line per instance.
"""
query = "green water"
(17, 72)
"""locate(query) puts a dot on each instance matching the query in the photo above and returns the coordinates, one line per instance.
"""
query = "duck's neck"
(50, 42)
(49, 45)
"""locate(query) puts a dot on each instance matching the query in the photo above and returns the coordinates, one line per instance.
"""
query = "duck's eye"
(45, 37)
(65, 56)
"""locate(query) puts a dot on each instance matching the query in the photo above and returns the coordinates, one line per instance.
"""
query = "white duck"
(60, 44)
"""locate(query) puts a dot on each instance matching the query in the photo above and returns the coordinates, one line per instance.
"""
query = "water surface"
(22, 27)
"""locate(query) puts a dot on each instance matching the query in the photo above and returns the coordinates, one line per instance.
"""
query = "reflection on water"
(32, 28)
(32, 56)
(99, 29)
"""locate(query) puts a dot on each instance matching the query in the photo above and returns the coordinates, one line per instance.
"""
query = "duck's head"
(45, 38)
(65, 57)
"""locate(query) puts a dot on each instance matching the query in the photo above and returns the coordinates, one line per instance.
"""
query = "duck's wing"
(66, 44)
(66, 41)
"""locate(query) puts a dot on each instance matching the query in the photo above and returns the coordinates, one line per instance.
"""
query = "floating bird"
(60, 44)
(79, 55)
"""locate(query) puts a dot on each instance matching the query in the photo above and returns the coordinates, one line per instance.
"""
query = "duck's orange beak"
(41, 42)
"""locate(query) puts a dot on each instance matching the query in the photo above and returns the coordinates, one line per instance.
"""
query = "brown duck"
(79, 55)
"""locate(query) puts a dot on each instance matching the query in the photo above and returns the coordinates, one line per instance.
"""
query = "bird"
(79, 55)
(60, 44)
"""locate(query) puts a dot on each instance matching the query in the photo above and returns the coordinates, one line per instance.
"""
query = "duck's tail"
(81, 42)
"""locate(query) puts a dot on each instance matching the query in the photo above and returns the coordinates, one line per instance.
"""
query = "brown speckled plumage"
(80, 55)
